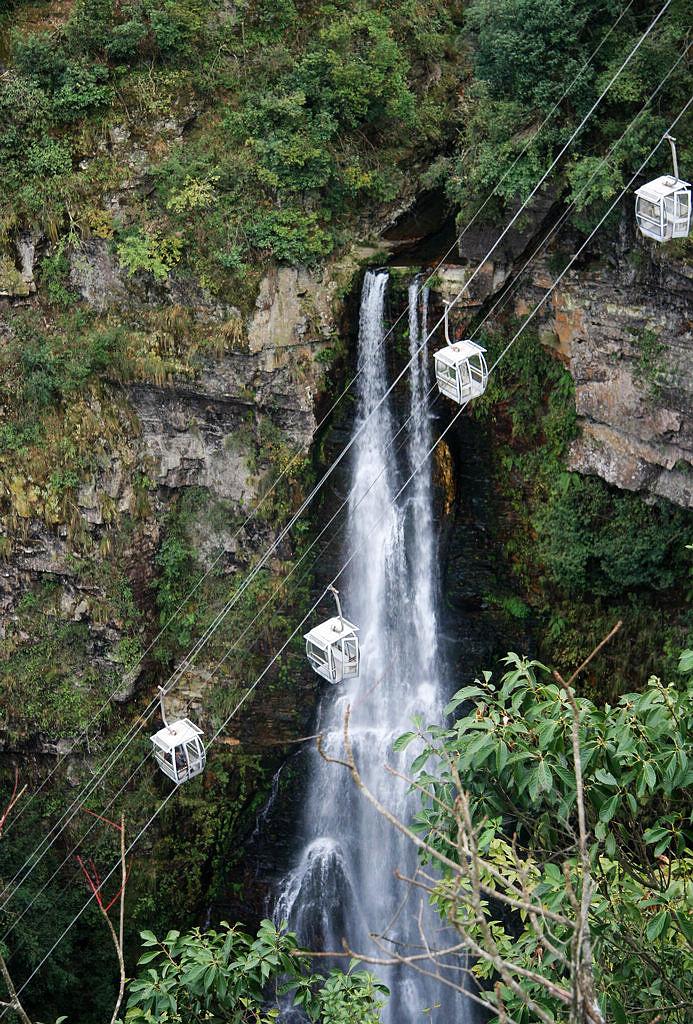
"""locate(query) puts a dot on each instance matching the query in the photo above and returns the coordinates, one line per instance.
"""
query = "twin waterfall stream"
(343, 882)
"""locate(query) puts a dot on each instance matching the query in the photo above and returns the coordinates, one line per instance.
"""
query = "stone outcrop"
(202, 433)
(626, 336)
(217, 429)
(17, 267)
(622, 323)
(97, 276)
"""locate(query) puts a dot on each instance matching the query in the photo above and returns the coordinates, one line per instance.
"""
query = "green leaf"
(618, 1013)
(653, 835)
(418, 762)
(686, 926)
(403, 741)
(686, 661)
(533, 781)
(147, 958)
(466, 693)
(544, 777)
(475, 747)
(610, 846)
(657, 925)
(609, 807)
(193, 976)
(546, 731)
(650, 775)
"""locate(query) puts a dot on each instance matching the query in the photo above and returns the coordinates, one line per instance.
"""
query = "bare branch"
(96, 889)
(413, 962)
(546, 943)
(584, 998)
(589, 657)
(14, 1003)
(489, 951)
(13, 799)
(119, 941)
(471, 856)
(327, 757)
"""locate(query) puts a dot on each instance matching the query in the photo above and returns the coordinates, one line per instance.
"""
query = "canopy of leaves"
(597, 540)
(536, 71)
(511, 750)
(227, 975)
(304, 115)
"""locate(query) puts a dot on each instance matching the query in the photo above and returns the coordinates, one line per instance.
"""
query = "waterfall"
(343, 883)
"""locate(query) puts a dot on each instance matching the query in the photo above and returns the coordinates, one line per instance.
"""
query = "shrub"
(151, 253)
(290, 235)
(597, 540)
(357, 73)
(82, 88)
(125, 40)
(49, 158)
(23, 113)
(38, 58)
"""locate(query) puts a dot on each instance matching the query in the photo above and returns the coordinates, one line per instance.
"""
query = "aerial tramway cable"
(517, 334)
(413, 413)
(209, 632)
(520, 332)
(504, 298)
(330, 411)
(230, 649)
(548, 171)
(281, 650)
(236, 708)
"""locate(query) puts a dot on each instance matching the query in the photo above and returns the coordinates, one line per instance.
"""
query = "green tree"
(558, 841)
(527, 56)
(227, 975)
(596, 539)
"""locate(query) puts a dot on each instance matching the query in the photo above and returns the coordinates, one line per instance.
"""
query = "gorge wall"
(217, 426)
(621, 320)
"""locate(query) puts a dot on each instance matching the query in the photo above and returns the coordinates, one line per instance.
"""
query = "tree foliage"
(597, 540)
(303, 113)
(502, 793)
(536, 69)
(228, 975)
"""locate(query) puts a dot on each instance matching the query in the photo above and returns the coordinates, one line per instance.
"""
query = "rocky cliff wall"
(621, 320)
(222, 428)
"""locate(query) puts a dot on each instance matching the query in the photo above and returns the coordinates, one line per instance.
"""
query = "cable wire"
(202, 642)
(282, 584)
(278, 654)
(84, 732)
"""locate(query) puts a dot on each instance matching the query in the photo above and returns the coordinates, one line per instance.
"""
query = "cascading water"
(344, 883)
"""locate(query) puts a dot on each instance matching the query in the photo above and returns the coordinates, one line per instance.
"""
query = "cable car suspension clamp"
(333, 589)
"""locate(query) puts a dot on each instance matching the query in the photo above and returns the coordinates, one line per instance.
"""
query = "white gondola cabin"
(178, 748)
(461, 371)
(663, 206)
(332, 647)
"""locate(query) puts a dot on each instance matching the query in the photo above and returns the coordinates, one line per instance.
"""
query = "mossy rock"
(12, 284)
(24, 497)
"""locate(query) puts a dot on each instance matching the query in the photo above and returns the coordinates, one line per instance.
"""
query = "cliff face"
(87, 577)
(625, 332)
(621, 321)
(221, 429)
